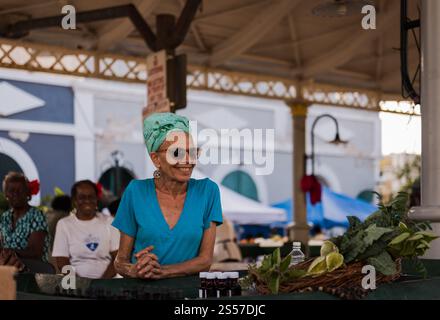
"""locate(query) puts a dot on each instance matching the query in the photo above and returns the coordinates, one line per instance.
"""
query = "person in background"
(23, 229)
(60, 208)
(226, 248)
(85, 239)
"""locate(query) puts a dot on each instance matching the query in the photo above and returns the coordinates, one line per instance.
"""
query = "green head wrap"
(158, 125)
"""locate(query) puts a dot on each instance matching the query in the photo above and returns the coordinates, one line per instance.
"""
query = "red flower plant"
(34, 187)
(99, 188)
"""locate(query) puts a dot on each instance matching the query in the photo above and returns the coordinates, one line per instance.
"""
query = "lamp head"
(337, 140)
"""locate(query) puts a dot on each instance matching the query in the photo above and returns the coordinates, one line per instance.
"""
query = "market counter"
(409, 286)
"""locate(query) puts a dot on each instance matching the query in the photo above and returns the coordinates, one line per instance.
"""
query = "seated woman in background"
(86, 240)
(168, 223)
(24, 232)
(60, 208)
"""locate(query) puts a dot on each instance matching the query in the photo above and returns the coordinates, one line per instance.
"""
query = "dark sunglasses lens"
(178, 153)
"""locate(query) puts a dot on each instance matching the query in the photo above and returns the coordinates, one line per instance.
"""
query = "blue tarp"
(331, 212)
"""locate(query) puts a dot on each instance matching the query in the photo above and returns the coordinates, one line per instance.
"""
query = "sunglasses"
(180, 153)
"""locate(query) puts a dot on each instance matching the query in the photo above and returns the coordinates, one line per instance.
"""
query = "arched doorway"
(7, 164)
(241, 182)
(116, 179)
(366, 195)
(17, 159)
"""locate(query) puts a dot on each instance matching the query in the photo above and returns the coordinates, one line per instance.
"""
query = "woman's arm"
(8, 257)
(144, 268)
(122, 263)
(110, 272)
(35, 247)
(200, 263)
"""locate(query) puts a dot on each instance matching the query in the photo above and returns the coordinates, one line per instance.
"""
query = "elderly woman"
(85, 239)
(24, 232)
(168, 223)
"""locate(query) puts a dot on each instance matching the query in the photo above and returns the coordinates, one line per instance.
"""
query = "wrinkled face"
(86, 200)
(17, 194)
(176, 157)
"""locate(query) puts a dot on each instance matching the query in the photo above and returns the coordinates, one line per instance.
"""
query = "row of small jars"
(219, 284)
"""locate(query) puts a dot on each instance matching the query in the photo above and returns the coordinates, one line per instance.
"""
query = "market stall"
(410, 286)
(242, 210)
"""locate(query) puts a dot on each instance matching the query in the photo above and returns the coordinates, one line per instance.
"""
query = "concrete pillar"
(430, 102)
(298, 230)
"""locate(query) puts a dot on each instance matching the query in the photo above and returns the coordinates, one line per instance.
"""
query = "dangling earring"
(156, 174)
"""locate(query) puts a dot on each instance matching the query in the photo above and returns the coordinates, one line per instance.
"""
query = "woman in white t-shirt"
(85, 239)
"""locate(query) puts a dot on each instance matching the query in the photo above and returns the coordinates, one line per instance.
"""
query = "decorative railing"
(47, 58)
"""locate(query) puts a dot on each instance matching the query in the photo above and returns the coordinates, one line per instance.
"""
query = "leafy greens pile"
(384, 236)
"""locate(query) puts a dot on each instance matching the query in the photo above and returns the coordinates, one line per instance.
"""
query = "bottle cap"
(217, 274)
(234, 275)
(222, 276)
(203, 274)
(210, 275)
(296, 244)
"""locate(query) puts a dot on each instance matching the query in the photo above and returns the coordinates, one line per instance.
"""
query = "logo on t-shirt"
(92, 242)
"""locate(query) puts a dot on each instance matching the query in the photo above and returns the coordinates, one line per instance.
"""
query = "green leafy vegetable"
(383, 263)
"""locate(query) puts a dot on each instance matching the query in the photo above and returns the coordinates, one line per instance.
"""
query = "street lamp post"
(337, 140)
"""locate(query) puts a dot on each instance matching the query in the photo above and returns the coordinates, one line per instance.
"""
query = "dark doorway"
(116, 179)
(7, 164)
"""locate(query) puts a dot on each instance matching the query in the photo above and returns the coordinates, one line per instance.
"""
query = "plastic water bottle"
(296, 254)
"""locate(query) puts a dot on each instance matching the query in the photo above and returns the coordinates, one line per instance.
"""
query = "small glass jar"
(210, 285)
(202, 287)
(235, 286)
(221, 285)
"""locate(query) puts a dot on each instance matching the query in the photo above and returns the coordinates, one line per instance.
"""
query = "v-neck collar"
(159, 210)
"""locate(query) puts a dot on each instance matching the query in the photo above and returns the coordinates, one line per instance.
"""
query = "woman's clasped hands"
(147, 265)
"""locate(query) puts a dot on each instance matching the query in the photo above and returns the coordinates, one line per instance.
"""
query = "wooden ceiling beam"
(346, 49)
(294, 37)
(234, 10)
(195, 31)
(113, 32)
(252, 32)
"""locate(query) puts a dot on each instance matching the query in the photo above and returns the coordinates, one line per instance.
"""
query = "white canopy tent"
(242, 210)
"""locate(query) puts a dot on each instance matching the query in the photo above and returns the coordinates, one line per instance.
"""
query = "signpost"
(157, 98)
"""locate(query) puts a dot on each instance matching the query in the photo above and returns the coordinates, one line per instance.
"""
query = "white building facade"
(67, 128)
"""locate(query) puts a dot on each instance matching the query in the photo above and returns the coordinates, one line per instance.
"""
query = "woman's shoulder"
(106, 219)
(5, 214)
(205, 184)
(70, 218)
(136, 184)
(36, 213)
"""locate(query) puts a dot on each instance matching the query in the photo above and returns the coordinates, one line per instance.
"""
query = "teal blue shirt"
(139, 216)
